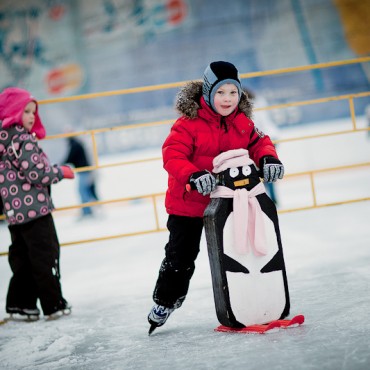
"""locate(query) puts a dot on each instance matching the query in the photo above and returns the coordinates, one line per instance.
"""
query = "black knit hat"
(217, 74)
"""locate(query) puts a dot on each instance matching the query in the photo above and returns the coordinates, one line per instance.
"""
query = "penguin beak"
(241, 183)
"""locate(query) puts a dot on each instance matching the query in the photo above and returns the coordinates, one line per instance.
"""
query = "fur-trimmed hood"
(188, 100)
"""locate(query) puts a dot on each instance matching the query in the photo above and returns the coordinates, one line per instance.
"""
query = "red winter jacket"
(197, 138)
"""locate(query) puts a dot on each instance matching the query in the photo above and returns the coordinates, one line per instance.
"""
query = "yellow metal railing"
(173, 85)
(311, 174)
(94, 132)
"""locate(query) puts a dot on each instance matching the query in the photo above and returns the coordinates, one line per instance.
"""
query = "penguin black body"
(248, 289)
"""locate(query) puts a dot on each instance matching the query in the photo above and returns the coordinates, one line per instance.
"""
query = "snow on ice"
(109, 283)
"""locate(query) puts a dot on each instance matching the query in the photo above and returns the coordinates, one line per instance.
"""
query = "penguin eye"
(246, 170)
(233, 172)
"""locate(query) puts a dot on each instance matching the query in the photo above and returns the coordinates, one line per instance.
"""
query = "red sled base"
(270, 327)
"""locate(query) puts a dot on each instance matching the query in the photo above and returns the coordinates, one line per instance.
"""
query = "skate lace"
(161, 311)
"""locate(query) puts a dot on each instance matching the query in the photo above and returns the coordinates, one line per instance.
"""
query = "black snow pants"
(34, 261)
(178, 265)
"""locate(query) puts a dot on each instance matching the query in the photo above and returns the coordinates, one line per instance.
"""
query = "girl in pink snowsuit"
(25, 178)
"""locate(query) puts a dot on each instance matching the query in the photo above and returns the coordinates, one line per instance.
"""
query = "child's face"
(226, 99)
(28, 117)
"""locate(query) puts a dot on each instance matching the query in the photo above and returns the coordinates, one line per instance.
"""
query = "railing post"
(313, 189)
(95, 150)
(155, 212)
(352, 110)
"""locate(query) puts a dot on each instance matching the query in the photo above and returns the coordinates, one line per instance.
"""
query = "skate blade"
(59, 314)
(152, 328)
(21, 318)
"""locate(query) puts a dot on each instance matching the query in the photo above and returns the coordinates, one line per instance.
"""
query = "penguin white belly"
(255, 297)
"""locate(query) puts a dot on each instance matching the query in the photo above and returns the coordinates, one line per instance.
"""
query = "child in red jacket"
(215, 118)
(25, 177)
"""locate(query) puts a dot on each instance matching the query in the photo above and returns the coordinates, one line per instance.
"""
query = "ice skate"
(64, 310)
(22, 314)
(158, 316)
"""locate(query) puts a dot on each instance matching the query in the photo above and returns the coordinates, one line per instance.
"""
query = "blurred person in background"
(77, 156)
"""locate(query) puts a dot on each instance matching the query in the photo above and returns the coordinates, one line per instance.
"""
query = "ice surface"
(109, 284)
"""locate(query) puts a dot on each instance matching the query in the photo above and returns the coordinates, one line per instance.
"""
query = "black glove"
(272, 168)
(203, 181)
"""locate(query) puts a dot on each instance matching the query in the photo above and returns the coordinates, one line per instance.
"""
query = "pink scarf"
(248, 218)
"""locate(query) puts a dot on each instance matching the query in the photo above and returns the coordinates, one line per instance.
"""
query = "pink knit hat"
(13, 100)
(231, 158)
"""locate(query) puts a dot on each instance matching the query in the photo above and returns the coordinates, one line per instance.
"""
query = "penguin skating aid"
(247, 263)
